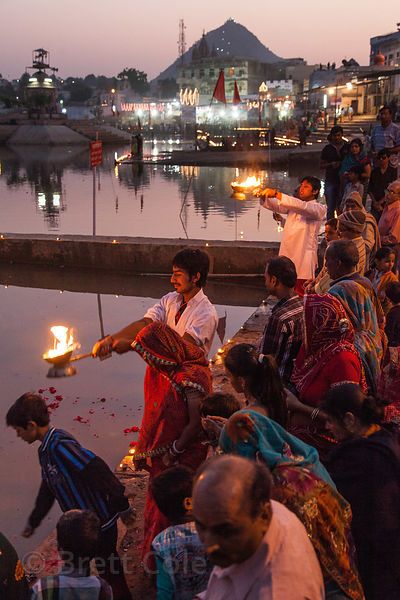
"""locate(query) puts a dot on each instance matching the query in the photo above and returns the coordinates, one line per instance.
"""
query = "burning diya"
(241, 188)
(60, 356)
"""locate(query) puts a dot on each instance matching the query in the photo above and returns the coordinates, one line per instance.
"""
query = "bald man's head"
(341, 258)
(231, 507)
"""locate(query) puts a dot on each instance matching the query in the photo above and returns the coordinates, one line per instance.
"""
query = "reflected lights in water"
(132, 200)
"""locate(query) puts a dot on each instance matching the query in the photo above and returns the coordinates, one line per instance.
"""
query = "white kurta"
(199, 319)
(300, 234)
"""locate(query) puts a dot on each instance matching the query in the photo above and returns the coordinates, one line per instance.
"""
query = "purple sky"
(102, 36)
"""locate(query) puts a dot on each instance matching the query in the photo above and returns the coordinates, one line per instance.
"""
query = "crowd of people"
(288, 489)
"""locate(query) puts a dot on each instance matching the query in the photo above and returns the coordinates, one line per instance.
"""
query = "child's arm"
(44, 502)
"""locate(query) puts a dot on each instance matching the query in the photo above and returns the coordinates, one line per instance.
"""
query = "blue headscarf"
(276, 446)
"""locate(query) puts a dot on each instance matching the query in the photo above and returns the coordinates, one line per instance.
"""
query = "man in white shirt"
(305, 216)
(260, 548)
(187, 310)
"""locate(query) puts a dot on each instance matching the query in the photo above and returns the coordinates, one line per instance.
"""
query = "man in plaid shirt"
(284, 332)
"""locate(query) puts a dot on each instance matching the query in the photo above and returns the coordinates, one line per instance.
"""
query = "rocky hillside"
(231, 39)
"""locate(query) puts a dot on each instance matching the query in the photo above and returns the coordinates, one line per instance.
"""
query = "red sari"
(327, 357)
(173, 365)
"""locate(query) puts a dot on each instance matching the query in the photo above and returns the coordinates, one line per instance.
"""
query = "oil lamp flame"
(63, 341)
(249, 185)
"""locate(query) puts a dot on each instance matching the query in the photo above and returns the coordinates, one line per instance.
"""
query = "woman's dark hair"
(219, 405)
(193, 261)
(393, 292)
(384, 252)
(283, 269)
(28, 407)
(314, 182)
(358, 142)
(262, 378)
(170, 489)
(79, 533)
(349, 397)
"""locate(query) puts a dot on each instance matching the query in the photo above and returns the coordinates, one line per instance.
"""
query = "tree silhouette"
(136, 79)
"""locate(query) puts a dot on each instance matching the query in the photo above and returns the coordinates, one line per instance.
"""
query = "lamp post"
(262, 95)
(335, 117)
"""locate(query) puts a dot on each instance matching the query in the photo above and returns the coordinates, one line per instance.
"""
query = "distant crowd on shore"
(288, 488)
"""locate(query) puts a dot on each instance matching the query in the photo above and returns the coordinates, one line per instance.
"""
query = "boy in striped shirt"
(76, 478)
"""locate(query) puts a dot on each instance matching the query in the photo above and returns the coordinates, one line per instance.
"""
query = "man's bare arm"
(104, 347)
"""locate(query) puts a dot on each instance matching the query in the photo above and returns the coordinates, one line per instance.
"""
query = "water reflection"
(107, 396)
(50, 189)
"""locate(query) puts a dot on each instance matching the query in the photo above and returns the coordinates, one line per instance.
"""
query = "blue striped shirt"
(62, 460)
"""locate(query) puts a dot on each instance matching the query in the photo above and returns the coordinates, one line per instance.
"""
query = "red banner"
(219, 91)
(96, 153)
(236, 95)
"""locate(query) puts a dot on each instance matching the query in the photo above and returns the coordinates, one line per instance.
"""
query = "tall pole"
(335, 119)
(94, 200)
(94, 192)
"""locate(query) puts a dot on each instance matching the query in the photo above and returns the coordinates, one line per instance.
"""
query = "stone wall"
(135, 255)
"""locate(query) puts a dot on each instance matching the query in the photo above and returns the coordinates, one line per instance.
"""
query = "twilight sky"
(102, 36)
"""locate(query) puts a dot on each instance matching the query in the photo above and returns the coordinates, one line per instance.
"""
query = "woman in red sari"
(326, 358)
(176, 380)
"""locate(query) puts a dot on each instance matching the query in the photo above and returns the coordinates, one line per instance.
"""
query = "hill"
(230, 39)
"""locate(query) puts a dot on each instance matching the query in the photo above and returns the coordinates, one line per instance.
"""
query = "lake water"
(45, 190)
(108, 395)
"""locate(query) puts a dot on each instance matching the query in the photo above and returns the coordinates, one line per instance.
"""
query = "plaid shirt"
(183, 569)
(284, 333)
(75, 584)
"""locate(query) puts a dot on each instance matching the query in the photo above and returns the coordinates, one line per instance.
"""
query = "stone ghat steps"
(352, 129)
(106, 133)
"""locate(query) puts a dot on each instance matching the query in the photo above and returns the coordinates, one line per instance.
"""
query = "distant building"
(198, 77)
(364, 88)
(385, 49)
